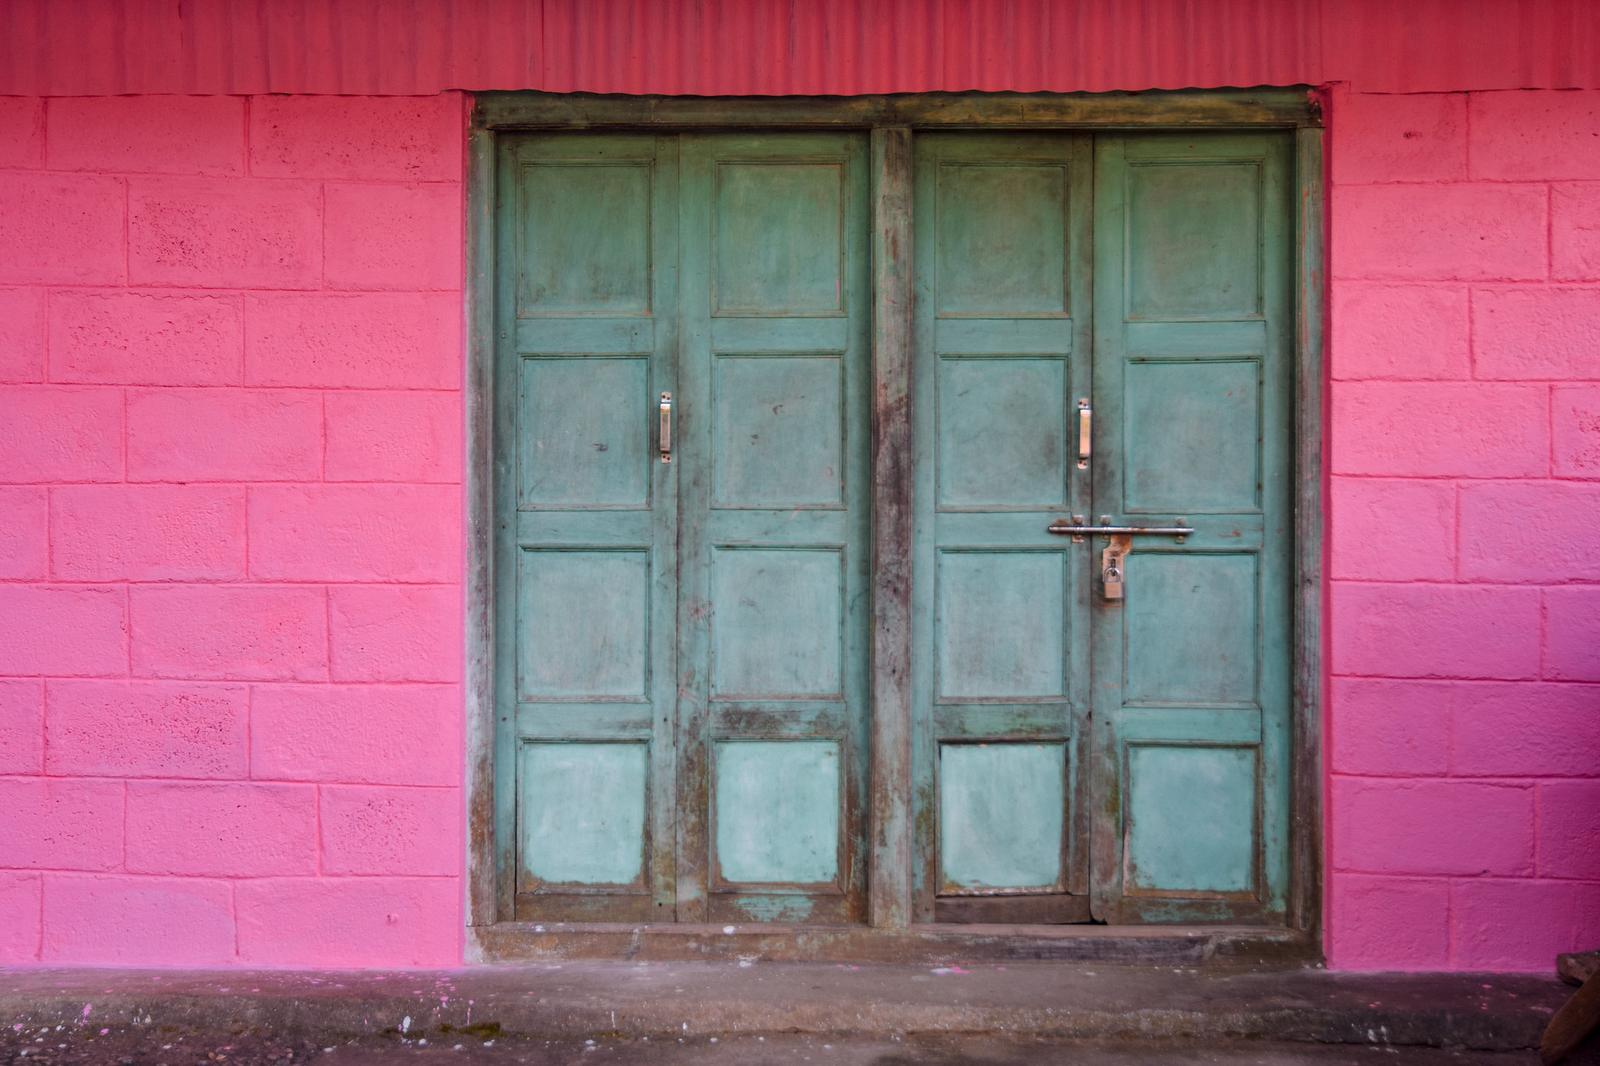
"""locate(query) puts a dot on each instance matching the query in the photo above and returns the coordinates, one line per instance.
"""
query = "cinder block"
(354, 340)
(1391, 728)
(350, 921)
(61, 229)
(147, 134)
(1519, 334)
(1540, 532)
(56, 824)
(1522, 729)
(1392, 530)
(394, 436)
(229, 633)
(1399, 332)
(393, 236)
(147, 532)
(21, 727)
(368, 734)
(355, 533)
(224, 435)
(19, 918)
(148, 729)
(1572, 633)
(138, 921)
(1439, 232)
(382, 830)
(1438, 429)
(1569, 828)
(1464, 828)
(21, 132)
(224, 233)
(24, 532)
(1389, 923)
(1448, 631)
(1521, 925)
(395, 633)
(60, 434)
(387, 138)
(1575, 230)
(22, 332)
(1535, 136)
(134, 338)
(1386, 137)
(222, 830)
(72, 631)
(1575, 410)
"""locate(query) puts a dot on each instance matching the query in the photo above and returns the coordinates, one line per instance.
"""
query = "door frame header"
(1287, 108)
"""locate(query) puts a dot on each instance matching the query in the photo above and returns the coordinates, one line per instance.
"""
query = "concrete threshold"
(619, 1000)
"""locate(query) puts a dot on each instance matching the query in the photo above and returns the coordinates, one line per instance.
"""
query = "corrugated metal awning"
(770, 47)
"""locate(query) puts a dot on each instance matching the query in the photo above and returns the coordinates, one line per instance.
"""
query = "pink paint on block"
(50, 824)
(60, 434)
(19, 918)
(1572, 633)
(354, 340)
(1440, 232)
(25, 532)
(219, 233)
(21, 727)
(386, 830)
(137, 921)
(1400, 331)
(1575, 410)
(1390, 923)
(249, 633)
(224, 435)
(1500, 924)
(221, 829)
(70, 630)
(148, 134)
(61, 229)
(147, 532)
(351, 921)
(140, 338)
(371, 734)
(355, 533)
(1450, 631)
(148, 729)
(22, 332)
(1434, 827)
(394, 436)
(388, 633)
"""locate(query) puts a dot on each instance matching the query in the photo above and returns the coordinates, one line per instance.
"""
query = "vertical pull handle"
(664, 433)
(1085, 433)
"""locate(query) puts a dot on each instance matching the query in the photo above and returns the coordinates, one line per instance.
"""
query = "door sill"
(1170, 945)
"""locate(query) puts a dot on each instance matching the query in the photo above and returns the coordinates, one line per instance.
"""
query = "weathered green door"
(1102, 337)
(682, 514)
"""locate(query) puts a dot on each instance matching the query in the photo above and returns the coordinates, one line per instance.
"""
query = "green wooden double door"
(684, 417)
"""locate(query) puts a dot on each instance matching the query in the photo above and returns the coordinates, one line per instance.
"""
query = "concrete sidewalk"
(628, 1001)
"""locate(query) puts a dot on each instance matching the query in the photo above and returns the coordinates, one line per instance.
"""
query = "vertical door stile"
(1000, 682)
(1194, 372)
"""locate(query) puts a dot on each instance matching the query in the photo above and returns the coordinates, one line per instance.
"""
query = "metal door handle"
(1085, 433)
(665, 431)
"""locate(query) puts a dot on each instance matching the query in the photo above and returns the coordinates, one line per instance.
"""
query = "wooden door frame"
(891, 122)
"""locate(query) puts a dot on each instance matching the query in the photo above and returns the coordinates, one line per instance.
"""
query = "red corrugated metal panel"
(748, 47)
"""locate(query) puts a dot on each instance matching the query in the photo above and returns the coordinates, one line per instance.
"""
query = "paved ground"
(734, 1014)
(103, 1047)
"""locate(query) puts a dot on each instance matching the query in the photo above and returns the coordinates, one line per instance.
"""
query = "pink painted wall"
(1464, 725)
(230, 530)
(230, 467)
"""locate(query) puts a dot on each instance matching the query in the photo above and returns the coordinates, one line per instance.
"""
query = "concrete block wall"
(1464, 529)
(230, 482)
(230, 552)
